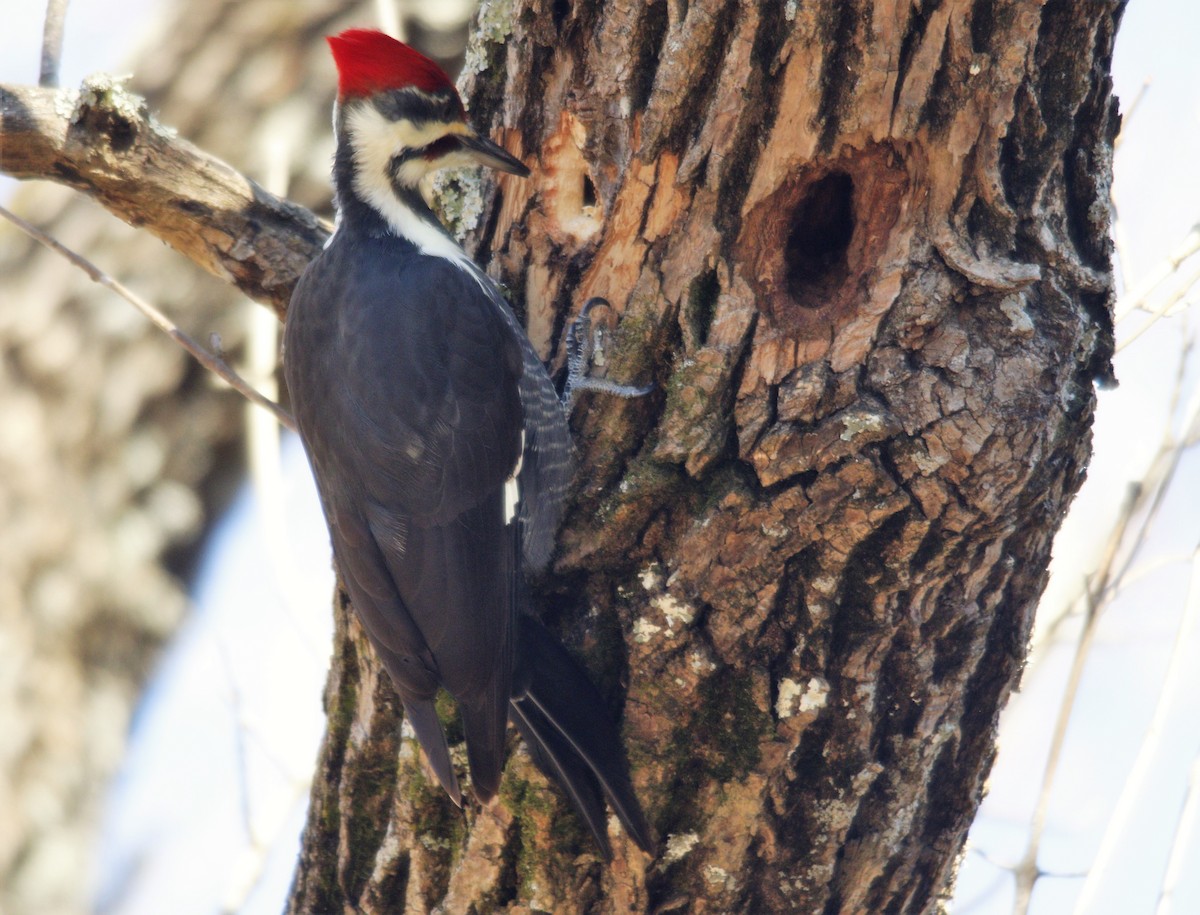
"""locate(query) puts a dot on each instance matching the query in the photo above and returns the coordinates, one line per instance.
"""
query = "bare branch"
(103, 142)
(1136, 782)
(1165, 309)
(1026, 871)
(1185, 829)
(207, 359)
(1135, 298)
(52, 40)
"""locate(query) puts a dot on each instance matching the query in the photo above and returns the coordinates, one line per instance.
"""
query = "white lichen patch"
(795, 697)
(1013, 306)
(492, 26)
(718, 877)
(778, 531)
(103, 90)
(458, 195)
(106, 92)
(790, 885)
(856, 423)
(674, 611)
(927, 463)
(644, 630)
(701, 663)
(65, 103)
(678, 846)
(651, 578)
(824, 584)
(864, 777)
(816, 696)
(789, 698)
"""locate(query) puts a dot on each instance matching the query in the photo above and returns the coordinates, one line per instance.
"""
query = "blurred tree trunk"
(861, 249)
(117, 451)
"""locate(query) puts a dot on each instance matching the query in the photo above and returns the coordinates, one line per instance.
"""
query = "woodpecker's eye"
(439, 148)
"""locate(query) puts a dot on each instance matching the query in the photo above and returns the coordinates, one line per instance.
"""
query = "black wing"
(547, 465)
(405, 383)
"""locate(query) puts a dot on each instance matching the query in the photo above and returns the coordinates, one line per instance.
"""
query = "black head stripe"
(440, 147)
(412, 104)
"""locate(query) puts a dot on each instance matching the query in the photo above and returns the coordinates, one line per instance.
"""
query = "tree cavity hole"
(822, 227)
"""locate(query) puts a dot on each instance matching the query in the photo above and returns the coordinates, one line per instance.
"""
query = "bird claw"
(584, 346)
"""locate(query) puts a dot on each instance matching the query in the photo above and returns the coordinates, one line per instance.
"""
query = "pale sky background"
(220, 752)
(1157, 193)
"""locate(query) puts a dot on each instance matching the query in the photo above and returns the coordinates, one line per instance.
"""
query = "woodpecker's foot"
(585, 348)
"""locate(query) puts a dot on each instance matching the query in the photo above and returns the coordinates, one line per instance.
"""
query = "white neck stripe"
(375, 140)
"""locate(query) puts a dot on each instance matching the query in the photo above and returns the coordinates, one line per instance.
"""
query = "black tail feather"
(423, 717)
(562, 716)
(559, 761)
(484, 731)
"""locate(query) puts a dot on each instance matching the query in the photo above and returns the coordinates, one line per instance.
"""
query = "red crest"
(368, 61)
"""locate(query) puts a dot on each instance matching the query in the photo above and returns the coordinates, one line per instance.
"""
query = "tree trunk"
(861, 250)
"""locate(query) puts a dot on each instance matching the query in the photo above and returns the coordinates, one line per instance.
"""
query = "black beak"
(485, 152)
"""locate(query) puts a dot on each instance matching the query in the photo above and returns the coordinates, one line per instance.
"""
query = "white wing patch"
(512, 486)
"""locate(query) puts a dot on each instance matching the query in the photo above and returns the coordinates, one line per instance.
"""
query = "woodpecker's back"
(440, 450)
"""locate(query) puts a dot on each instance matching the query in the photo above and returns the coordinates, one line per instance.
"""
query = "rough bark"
(861, 249)
(147, 176)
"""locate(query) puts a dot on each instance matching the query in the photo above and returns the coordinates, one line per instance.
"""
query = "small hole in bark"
(702, 304)
(589, 192)
(560, 11)
(822, 226)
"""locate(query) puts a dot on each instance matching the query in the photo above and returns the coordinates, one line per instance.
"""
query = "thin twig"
(207, 359)
(1165, 309)
(1147, 569)
(390, 20)
(1026, 872)
(52, 42)
(1149, 496)
(1178, 864)
(1142, 505)
(1143, 500)
(1135, 298)
(263, 444)
(1152, 488)
(1135, 783)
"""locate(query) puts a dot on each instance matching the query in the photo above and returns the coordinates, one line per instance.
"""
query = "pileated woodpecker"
(440, 448)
